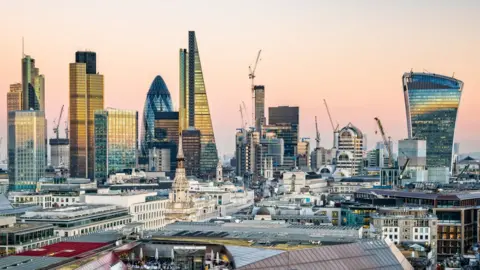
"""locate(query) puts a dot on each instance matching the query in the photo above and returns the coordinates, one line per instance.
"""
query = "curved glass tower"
(431, 103)
(158, 100)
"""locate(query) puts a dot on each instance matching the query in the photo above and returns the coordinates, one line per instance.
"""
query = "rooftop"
(453, 195)
(20, 227)
(70, 211)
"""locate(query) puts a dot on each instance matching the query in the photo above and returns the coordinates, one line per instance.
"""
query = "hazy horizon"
(352, 53)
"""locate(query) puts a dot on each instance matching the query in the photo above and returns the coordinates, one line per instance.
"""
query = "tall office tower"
(26, 149)
(269, 149)
(158, 100)
(33, 84)
(287, 121)
(89, 58)
(194, 104)
(245, 152)
(283, 115)
(350, 149)
(59, 152)
(192, 148)
(303, 155)
(260, 120)
(431, 104)
(116, 142)
(86, 97)
(14, 98)
(166, 127)
(183, 95)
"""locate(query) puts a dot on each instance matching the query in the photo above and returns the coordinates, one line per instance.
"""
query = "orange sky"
(353, 53)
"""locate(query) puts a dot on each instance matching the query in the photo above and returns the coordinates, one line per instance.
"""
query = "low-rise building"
(80, 219)
(42, 199)
(18, 237)
(349, 185)
(145, 207)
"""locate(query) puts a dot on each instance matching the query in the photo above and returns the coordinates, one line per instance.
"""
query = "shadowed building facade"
(431, 103)
(86, 97)
(14, 98)
(33, 83)
(194, 108)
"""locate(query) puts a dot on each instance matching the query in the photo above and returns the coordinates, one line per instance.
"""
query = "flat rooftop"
(63, 249)
(71, 211)
(20, 227)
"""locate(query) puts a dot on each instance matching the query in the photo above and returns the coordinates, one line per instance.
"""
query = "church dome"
(263, 211)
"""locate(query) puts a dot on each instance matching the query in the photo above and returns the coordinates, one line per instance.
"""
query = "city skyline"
(365, 78)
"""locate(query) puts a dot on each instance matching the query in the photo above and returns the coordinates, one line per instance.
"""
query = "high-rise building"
(192, 148)
(14, 98)
(271, 150)
(303, 155)
(116, 141)
(431, 103)
(158, 100)
(59, 152)
(166, 127)
(183, 95)
(86, 97)
(26, 149)
(350, 149)
(33, 83)
(194, 104)
(245, 152)
(89, 58)
(283, 115)
(289, 134)
(322, 157)
(259, 91)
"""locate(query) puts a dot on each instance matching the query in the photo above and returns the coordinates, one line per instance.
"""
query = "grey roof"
(97, 237)
(28, 262)
(245, 255)
(363, 255)
(5, 203)
(460, 195)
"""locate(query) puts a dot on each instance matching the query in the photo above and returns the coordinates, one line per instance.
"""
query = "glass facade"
(115, 142)
(158, 100)
(289, 134)
(200, 117)
(89, 58)
(86, 97)
(26, 149)
(183, 95)
(33, 84)
(431, 103)
(191, 149)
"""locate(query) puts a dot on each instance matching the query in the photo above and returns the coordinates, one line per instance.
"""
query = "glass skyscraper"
(158, 100)
(33, 84)
(116, 141)
(86, 97)
(195, 110)
(14, 98)
(89, 58)
(26, 149)
(431, 103)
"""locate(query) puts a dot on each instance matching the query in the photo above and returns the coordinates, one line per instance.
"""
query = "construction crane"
(330, 117)
(244, 123)
(252, 76)
(317, 134)
(57, 124)
(385, 142)
(246, 113)
(66, 129)
(400, 175)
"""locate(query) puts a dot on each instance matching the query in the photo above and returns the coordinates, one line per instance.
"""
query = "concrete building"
(303, 155)
(144, 207)
(350, 150)
(14, 98)
(245, 152)
(80, 219)
(59, 153)
(26, 149)
(86, 97)
(322, 157)
(42, 199)
(416, 152)
(259, 94)
(159, 159)
(269, 149)
(18, 237)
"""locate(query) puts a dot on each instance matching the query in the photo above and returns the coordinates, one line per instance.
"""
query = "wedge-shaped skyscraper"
(431, 103)
(194, 109)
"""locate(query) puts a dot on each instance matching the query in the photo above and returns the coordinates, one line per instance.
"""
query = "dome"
(158, 100)
(263, 211)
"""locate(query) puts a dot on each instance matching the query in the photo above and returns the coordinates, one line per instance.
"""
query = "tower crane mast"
(385, 142)
(252, 76)
(57, 123)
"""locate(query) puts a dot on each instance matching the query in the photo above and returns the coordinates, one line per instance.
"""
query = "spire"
(180, 149)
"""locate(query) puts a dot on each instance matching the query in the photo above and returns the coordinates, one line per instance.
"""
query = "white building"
(80, 219)
(294, 181)
(350, 150)
(145, 207)
(45, 200)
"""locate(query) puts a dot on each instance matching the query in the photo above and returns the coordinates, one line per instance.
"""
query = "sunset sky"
(352, 53)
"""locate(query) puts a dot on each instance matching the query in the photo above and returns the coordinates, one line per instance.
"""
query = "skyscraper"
(26, 149)
(158, 100)
(89, 58)
(116, 141)
(259, 107)
(192, 148)
(86, 97)
(283, 115)
(33, 83)
(14, 98)
(193, 98)
(166, 126)
(431, 104)
(289, 134)
(350, 149)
